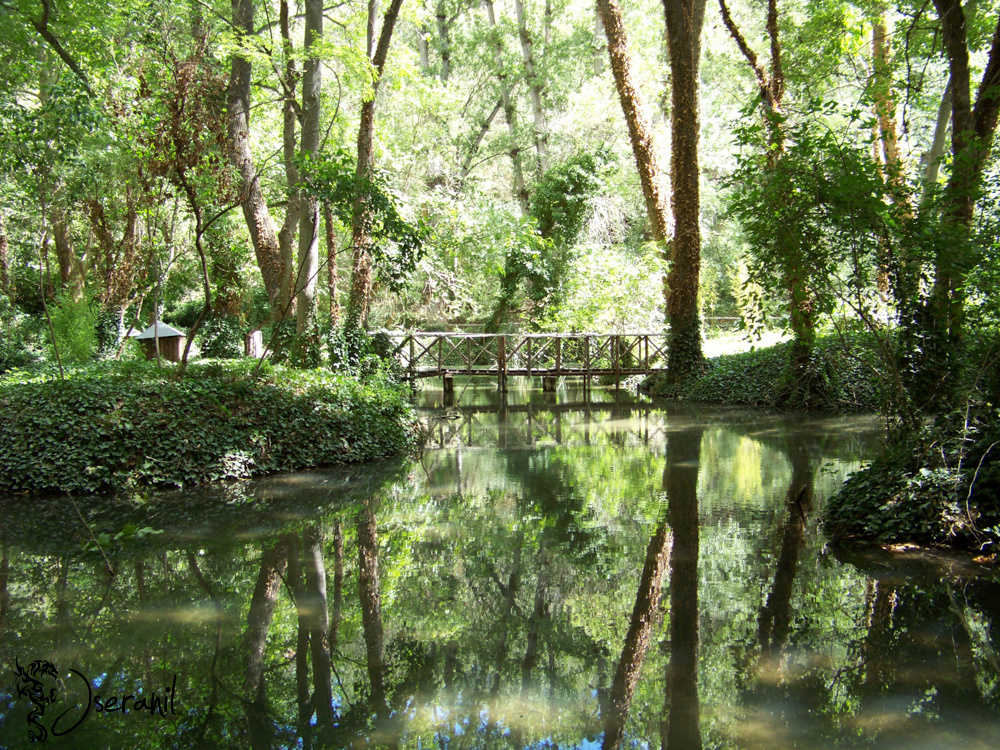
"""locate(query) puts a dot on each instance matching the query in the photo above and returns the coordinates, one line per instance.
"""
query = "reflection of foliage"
(397, 244)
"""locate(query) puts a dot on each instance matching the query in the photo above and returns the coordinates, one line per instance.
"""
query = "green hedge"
(113, 428)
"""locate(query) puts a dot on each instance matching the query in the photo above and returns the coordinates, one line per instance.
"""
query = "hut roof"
(164, 332)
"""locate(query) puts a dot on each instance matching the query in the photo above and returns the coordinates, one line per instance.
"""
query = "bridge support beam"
(549, 383)
(448, 382)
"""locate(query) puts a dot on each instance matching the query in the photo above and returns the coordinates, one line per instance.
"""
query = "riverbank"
(842, 376)
(115, 428)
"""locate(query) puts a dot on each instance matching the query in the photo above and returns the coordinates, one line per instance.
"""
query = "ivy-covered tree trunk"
(361, 242)
(263, 234)
(684, 20)
(308, 257)
(5, 283)
(937, 360)
(640, 128)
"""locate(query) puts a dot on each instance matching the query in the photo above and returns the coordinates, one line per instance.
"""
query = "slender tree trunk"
(265, 595)
(72, 270)
(972, 131)
(600, 41)
(338, 583)
(931, 161)
(5, 281)
(477, 142)
(775, 615)
(640, 128)
(423, 48)
(308, 257)
(290, 112)
(509, 113)
(644, 615)
(444, 42)
(371, 607)
(319, 630)
(361, 271)
(263, 234)
(683, 728)
(534, 88)
(296, 582)
(539, 613)
(684, 20)
(331, 265)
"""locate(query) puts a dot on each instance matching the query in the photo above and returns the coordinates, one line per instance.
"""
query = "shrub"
(221, 338)
(113, 428)
(74, 326)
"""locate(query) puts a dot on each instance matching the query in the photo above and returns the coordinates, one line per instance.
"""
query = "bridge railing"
(429, 354)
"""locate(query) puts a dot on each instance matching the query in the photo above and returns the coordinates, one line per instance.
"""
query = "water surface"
(563, 570)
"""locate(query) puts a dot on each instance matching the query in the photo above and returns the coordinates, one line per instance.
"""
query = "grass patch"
(840, 376)
(116, 427)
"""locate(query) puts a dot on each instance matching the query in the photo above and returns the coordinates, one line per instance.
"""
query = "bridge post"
(413, 364)
(616, 356)
(586, 363)
(501, 363)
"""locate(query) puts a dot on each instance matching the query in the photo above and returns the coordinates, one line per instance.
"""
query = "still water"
(566, 570)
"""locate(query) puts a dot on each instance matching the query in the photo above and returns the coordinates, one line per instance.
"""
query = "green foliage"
(221, 337)
(359, 353)
(113, 427)
(74, 324)
(820, 212)
(562, 199)
(843, 374)
(397, 244)
(19, 336)
(939, 484)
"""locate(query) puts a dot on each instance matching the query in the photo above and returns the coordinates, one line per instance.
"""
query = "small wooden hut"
(171, 341)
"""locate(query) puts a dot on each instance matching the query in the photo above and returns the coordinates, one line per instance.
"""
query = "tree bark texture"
(370, 593)
(263, 234)
(444, 40)
(318, 618)
(683, 728)
(72, 270)
(644, 614)
(290, 112)
(640, 127)
(509, 113)
(361, 242)
(265, 594)
(308, 258)
(534, 88)
(331, 265)
(684, 19)
(5, 280)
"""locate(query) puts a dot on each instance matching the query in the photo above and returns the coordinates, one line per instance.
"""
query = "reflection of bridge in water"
(545, 355)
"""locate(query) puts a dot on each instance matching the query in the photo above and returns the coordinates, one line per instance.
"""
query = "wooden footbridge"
(546, 355)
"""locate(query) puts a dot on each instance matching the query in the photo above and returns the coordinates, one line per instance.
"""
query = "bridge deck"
(502, 355)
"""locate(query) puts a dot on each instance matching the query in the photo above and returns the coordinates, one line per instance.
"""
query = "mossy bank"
(114, 428)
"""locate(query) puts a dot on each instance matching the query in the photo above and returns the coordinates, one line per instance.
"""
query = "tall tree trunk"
(296, 582)
(265, 595)
(682, 729)
(263, 234)
(444, 41)
(534, 88)
(5, 281)
(290, 112)
(369, 589)
(331, 265)
(539, 613)
(775, 615)
(972, 130)
(931, 161)
(308, 258)
(509, 113)
(640, 128)
(684, 19)
(600, 41)
(319, 630)
(361, 271)
(72, 270)
(644, 613)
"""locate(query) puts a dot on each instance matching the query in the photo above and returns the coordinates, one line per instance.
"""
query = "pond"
(575, 569)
